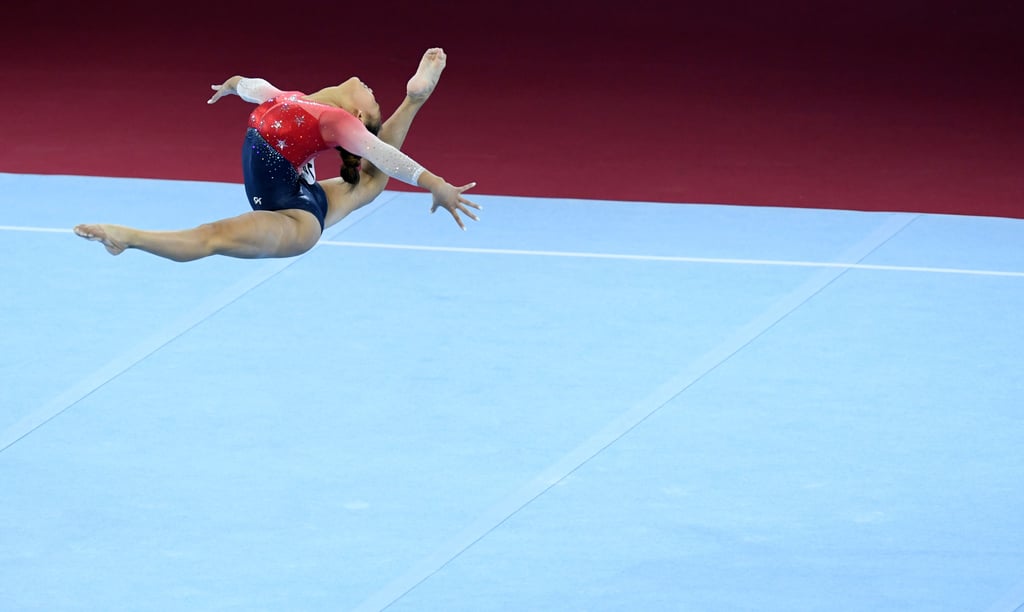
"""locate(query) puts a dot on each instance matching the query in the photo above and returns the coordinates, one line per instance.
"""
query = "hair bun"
(350, 165)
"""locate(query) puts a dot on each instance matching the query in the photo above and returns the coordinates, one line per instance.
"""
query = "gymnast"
(290, 207)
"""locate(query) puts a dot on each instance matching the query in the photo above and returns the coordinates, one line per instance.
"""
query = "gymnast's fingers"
(217, 95)
(466, 211)
(470, 203)
(455, 215)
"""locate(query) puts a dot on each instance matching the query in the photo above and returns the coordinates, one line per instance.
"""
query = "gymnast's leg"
(344, 198)
(417, 91)
(252, 235)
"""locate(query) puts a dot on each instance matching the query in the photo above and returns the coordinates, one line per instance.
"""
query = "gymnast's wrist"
(430, 181)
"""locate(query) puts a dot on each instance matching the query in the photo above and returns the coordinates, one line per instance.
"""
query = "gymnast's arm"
(257, 91)
(345, 130)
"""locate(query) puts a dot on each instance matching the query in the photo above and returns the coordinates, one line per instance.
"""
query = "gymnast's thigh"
(342, 199)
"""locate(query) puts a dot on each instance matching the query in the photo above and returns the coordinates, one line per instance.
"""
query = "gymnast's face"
(364, 104)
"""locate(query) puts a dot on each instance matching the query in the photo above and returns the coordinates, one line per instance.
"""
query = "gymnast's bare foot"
(107, 234)
(422, 84)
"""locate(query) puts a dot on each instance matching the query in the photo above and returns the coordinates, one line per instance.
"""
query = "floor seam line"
(138, 353)
(617, 427)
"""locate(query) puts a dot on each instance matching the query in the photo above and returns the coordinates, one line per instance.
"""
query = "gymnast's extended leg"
(252, 235)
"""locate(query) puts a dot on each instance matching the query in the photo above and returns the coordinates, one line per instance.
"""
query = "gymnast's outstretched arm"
(255, 90)
(344, 198)
(345, 130)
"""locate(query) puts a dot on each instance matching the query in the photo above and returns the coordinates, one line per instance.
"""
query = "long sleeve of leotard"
(255, 90)
(345, 130)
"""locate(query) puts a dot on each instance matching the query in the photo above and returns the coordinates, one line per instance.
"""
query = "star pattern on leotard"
(290, 128)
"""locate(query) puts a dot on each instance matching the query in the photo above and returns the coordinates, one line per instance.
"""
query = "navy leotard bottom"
(272, 183)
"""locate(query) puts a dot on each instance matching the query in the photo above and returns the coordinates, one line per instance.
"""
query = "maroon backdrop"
(877, 105)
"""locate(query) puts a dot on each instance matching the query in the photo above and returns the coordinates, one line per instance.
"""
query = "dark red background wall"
(900, 105)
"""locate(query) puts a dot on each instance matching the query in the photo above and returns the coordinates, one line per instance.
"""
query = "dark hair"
(350, 162)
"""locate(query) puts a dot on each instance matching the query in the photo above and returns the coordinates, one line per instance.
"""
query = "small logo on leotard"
(258, 201)
(308, 174)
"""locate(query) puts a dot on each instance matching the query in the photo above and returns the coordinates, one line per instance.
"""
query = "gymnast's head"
(357, 99)
(360, 102)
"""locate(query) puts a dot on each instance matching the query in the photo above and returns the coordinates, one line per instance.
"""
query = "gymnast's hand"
(450, 198)
(227, 88)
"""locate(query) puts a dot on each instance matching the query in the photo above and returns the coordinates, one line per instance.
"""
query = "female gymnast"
(290, 208)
